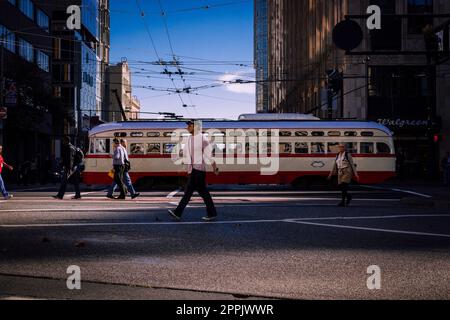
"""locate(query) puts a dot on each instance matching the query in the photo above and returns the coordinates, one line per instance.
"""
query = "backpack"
(78, 159)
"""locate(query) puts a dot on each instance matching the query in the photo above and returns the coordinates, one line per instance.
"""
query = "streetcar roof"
(233, 124)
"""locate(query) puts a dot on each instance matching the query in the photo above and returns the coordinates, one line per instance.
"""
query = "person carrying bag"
(345, 169)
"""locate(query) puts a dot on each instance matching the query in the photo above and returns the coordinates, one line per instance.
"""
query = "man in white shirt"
(196, 150)
(119, 167)
(126, 176)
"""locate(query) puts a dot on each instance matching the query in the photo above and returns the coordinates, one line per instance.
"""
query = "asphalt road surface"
(269, 242)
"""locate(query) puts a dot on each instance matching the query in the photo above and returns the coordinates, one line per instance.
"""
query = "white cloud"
(241, 88)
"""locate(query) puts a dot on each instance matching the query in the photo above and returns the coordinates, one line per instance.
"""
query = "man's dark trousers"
(75, 179)
(118, 178)
(196, 182)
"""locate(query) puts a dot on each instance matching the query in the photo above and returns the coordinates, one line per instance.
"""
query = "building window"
(57, 91)
(8, 39)
(57, 48)
(27, 8)
(26, 50)
(42, 20)
(416, 24)
(43, 61)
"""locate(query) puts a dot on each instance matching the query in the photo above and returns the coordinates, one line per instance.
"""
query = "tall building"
(120, 93)
(392, 89)
(80, 58)
(27, 132)
(261, 55)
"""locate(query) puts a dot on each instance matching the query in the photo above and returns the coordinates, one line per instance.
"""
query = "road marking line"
(81, 209)
(86, 193)
(173, 193)
(109, 224)
(369, 229)
(33, 189)
(143, 199)
(399, 190)
(290, 220)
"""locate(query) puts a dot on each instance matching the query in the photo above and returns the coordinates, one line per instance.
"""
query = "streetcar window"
(266, 148)
(120, 134)
(285, 148)
(285, 133)
(137, 134)
(108, 146)
(218, 149)
(169, 147)
(169, 134)
(153, 134)
(234, 148)
(137, 148)
(334, 133)
(333, 147)
(317, 147)
(301, 133)
(219, 134)
(350, 133)
(251, 133)
(383, 148)
(351, 147)
(367, 134)
(236, 133)
(301, 148)
(267, 133)
(318, 133)
(367, 147)
(153, 148)
(251, 148)
(99, 146)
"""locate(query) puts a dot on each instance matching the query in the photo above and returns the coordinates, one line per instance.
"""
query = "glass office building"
(261, 56)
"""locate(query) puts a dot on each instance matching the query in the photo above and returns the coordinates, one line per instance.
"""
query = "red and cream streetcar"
(303, 146)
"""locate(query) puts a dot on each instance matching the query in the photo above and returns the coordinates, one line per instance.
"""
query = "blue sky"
(217, 41)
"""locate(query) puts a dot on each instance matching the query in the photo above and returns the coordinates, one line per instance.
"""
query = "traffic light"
(335, 80)
(437, 138)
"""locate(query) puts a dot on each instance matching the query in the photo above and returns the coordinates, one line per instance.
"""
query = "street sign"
(3, 113)
(347, 35)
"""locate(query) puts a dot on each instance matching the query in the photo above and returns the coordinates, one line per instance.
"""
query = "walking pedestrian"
(119, 167)
(345, 169)
(196, 148)
(3, 164)
(72, 166)
(126, 176)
